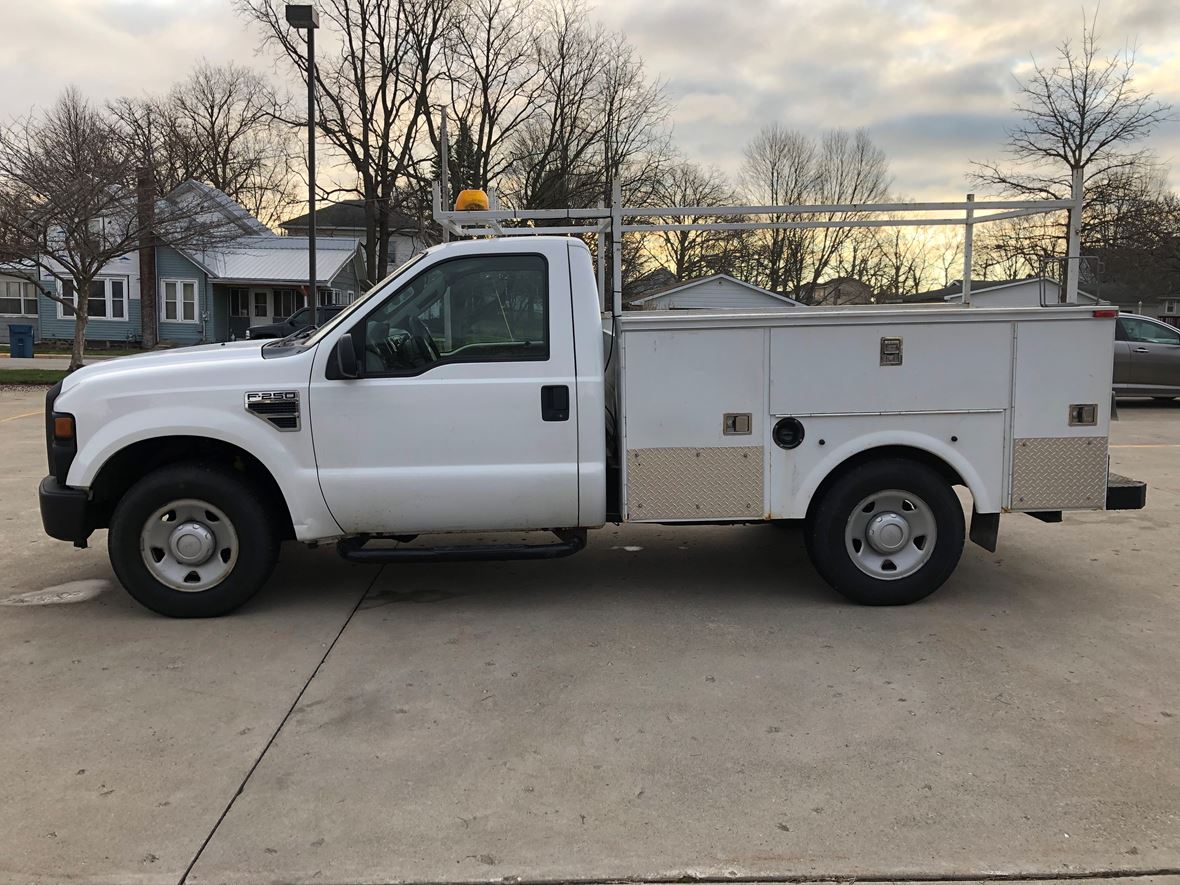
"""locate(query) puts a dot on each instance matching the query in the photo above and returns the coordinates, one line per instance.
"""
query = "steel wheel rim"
(890, 534)
(189, 545)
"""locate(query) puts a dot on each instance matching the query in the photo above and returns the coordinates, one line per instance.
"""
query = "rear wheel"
(887, 532)
(192, 541)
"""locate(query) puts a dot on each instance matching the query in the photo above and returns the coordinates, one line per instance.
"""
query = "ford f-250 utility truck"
(475, 390)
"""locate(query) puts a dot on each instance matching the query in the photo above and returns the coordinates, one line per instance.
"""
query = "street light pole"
(304, 17)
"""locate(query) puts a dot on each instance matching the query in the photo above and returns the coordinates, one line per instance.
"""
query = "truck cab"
(465, 391)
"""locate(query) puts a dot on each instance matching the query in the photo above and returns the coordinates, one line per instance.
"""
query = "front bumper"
(66, 513)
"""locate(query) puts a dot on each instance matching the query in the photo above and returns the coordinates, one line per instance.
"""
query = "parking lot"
(670, 703)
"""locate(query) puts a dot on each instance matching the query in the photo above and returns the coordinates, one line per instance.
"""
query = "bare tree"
(597, 118)
(779, 170)
(378, 66)
(556, 155)
(1132, 243)
(491, 85)
(69, 206)
(1017, 247)
(637, 145)
(694, 253)
(946, 249)
(220, 125)
(783, 167)
(900, 261)
(1082, 117)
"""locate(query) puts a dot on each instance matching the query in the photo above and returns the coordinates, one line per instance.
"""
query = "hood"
(221, 354)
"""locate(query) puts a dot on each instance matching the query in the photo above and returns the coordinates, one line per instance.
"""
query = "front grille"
(279, 408)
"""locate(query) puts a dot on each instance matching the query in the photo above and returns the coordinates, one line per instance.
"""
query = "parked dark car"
(297, 321)
(1146, 358)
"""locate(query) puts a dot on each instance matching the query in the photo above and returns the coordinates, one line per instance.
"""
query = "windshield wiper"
(295, 336)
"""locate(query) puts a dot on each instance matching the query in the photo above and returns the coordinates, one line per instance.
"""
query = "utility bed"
(1015, 400)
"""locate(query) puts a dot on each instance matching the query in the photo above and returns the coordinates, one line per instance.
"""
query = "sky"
(933, 81)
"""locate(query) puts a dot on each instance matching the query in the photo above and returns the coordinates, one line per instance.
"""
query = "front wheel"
(887, 532)
(192, 541)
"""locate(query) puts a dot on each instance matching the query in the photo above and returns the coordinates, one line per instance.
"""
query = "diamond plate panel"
(1059, 473)
(694, 483)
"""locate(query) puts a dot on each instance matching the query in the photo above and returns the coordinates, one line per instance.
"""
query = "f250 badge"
(279, 408)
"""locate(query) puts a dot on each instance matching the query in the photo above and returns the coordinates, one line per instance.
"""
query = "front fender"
(288, 456)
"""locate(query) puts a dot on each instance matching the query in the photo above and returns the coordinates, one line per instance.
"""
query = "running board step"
(354, 550)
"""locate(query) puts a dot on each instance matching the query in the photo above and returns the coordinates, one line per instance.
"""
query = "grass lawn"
(89, 354)
(31, 376)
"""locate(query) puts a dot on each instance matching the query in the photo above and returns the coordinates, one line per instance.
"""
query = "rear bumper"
(65, 512)
(1124, 493)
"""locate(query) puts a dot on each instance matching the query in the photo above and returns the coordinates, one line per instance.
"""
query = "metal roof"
(206, 200)
(275, 259)
(678, 287)
(349, 215)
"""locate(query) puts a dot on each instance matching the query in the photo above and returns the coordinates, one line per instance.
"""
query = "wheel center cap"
(888, 532)
(192, 543)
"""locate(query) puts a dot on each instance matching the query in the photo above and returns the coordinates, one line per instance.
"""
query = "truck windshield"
(378, 289)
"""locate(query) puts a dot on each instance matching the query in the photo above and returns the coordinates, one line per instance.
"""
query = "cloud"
(931, 79)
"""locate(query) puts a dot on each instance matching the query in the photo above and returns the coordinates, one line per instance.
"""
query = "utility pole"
(303, 17)
(444, 168)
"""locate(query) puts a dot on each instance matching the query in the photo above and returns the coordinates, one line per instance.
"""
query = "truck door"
(464, 415)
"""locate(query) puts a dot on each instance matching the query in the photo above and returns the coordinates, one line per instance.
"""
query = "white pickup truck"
(475, 390)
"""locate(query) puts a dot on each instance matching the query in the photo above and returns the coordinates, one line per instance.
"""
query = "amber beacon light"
(471, 200)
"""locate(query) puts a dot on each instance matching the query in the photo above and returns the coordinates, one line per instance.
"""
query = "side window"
(478, 309)
(1147, 332)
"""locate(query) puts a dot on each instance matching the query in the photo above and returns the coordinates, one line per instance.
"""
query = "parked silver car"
(1146, 358)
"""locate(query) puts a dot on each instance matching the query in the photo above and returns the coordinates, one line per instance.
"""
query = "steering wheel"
(419, 331)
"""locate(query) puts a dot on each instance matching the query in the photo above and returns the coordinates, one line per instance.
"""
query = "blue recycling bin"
(20, 341)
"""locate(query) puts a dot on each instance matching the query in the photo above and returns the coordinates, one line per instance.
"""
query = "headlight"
(247, 333)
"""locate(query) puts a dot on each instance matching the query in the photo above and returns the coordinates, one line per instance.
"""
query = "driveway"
(670, 703)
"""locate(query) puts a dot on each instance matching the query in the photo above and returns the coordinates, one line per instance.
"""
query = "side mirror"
(344, 359)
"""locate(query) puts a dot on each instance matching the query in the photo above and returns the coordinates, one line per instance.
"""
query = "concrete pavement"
(699, 706)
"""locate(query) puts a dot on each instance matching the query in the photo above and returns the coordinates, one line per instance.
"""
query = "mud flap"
(985, 529)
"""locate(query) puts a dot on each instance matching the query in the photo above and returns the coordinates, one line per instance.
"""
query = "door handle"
(555, 402)
(1141, 350)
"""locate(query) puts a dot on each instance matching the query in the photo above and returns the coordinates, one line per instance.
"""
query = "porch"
(237, 308)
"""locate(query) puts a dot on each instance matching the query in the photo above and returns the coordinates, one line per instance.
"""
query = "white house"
(716, 292)
(1032, 292)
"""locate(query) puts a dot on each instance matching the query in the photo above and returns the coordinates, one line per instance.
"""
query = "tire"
(852, 532)
(220, 553)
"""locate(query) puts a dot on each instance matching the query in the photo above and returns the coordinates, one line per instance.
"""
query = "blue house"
(207, 294)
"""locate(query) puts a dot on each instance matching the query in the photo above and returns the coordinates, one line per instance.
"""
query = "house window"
(287, 301)
(262, 304)
(239, 303)
(1170, 307)
(18, 298)
(106, 300)
(179, 304)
